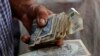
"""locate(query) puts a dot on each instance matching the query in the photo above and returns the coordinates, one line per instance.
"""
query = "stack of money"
(58, 26)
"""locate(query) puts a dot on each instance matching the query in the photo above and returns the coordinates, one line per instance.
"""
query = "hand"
(40, 13)
(28, 10)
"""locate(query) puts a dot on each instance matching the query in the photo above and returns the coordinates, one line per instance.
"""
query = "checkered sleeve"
(6, 35)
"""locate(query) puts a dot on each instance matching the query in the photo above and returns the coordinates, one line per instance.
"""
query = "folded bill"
(58, 26)
(76, 21)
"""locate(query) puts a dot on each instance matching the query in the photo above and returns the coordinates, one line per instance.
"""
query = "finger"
(42, 15)
(59, 42)
(25, 38)
(41, 22)
(27, 22)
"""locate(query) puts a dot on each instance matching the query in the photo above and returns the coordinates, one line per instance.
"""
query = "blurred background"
(90, 12)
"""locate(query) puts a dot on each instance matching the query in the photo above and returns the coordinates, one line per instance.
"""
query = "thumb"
(41, 22)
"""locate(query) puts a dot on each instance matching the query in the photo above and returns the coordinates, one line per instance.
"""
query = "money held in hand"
(58, 26)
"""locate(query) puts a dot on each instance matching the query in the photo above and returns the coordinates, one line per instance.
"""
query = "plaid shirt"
(6, 36)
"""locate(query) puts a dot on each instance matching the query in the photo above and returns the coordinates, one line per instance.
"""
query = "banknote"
(76, 21)
(70, 48)
(58, 26)
(39, 33)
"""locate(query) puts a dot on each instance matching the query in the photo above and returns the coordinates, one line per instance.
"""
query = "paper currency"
(76, 22)
(70, 48)
(58, 26)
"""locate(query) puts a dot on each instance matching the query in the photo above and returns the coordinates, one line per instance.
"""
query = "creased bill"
(75, 21)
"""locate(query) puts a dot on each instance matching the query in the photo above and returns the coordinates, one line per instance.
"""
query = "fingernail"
(42, 22)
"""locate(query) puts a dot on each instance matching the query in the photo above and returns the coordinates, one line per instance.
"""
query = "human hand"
(28, 10)
(40, 13)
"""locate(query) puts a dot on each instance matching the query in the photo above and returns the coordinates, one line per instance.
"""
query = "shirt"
(6, 34)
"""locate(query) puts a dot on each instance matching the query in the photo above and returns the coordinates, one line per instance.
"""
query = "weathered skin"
(27, 11)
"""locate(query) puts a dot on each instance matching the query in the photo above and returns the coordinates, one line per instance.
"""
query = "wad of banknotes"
(58, 26)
